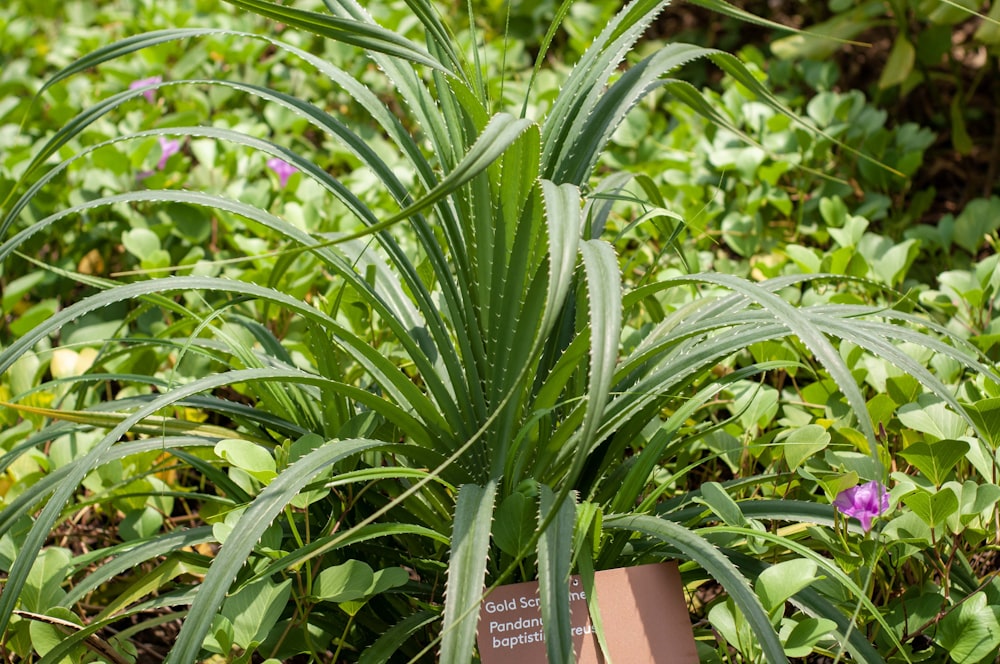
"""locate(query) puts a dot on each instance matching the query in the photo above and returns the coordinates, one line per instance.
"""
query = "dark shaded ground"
(967, 71)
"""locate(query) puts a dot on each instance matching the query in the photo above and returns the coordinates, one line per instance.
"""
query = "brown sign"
(643, 612)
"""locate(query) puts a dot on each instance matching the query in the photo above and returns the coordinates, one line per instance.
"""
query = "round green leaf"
(343, 583)
(254, 609)
(248, 457)
(805, 634)
(514, 523)
(390, 577)
(42, 588)
(45, 636)
(780, 581)
(805, 442)
(141, 242)
(971, 632)
(140, 523)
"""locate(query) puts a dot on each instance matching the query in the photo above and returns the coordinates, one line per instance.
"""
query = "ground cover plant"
(402, 311)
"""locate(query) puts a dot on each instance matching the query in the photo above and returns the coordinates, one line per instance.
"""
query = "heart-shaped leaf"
(935, 460)
(803, 443)
(932, 508)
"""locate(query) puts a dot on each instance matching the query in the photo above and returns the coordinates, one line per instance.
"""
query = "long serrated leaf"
(813, 338)
(716, 564)
(564, 220)
(589, 134)
(815, 604)
(830, 567)
(151, 425)
(357, 33)
(321, 545)
(130, 555)
(554, 558)
(579, 95)
(390, 641)
(732, 65)
(508, 240)
(123, 47)
(470, 541)
(604, 290)
(247, 532)
(82, 465)
(874, 337)
(698, 102)
(502, 130)
(28, 499)
(380, 367)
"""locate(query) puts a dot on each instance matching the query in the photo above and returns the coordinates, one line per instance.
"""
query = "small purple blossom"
(864, 502)
(150, 94)
(168, 147)
(282, 168)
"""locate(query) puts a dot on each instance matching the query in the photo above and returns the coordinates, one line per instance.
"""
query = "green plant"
(932, 42)
(468, 392)
(757, 182)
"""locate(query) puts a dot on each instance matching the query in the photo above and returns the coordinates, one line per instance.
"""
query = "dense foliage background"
(311, 329)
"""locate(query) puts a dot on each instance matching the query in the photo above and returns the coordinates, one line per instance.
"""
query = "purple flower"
(864, 502)
(168, 147)
(150, 94)
(282, 168)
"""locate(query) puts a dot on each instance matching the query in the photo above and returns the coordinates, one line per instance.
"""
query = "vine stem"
(857, 609)
(343, 638)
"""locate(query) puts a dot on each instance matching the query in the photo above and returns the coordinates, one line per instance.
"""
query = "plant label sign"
(643, 611)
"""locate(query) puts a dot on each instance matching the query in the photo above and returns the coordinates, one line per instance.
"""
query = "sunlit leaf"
(935, 460)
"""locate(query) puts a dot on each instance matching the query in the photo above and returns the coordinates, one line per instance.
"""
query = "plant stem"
(343, 637)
